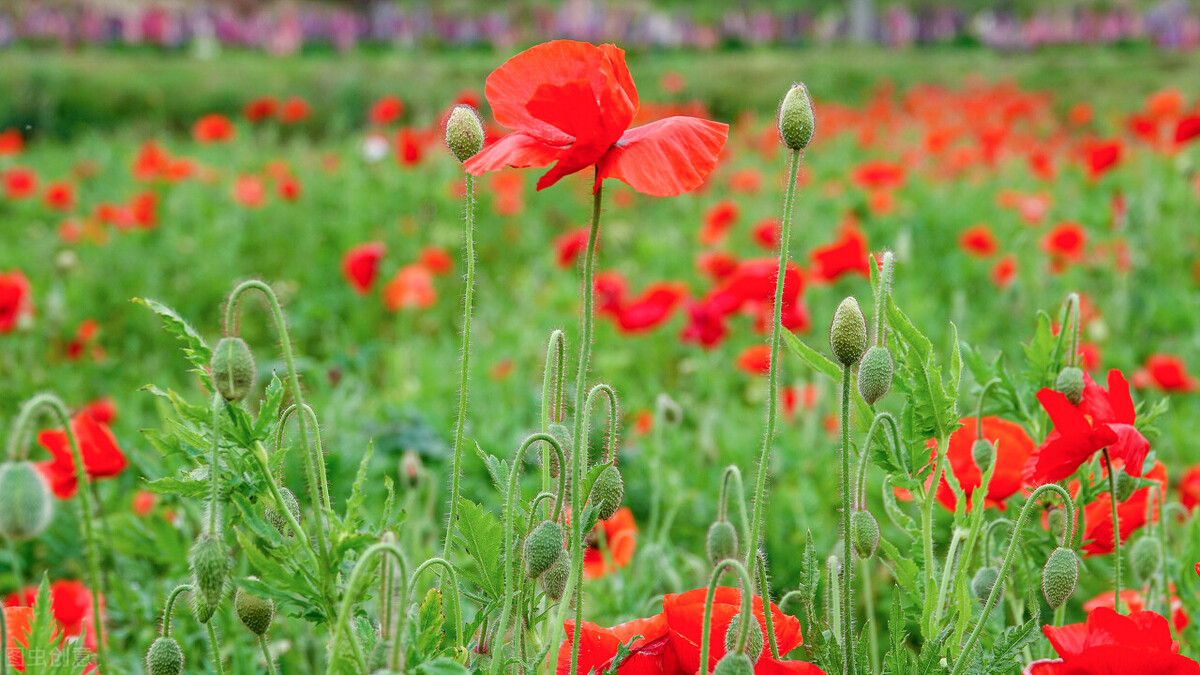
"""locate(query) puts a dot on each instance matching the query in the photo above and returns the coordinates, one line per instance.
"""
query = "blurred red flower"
(294, 110)
(766, 234)
(143, 503)
(707, 324)
(1102, 156)
(1188, 129)
(1165, 372)
(102, 458)
(650, 309)
(260, 109)
(878, 175)
(59, 195)
(103, 410)
(847, 255)
(11, 142)
(20, 182)
(387, 110)
(611, 290)
(717, 221)
(1189, 488)
(1111, 644)
(1012, 445)
(411, 287)
(568, 247)
(213, 128)
(716, 265)
(571, 104)
(409, 149)
(16, 300)
(18, 622)
(1065, 241)
(755, 359)
(1097, 525)
(1004, 271)
(436, 259)
(249, 191)
(360, 265)
(619, 535)
(978, 241)
(144, 209)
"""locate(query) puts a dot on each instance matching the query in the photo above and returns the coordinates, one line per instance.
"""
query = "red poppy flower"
(70, 605)
(1189, 488)
(1065, 241)
(249, 191)
(213, 128)
(260, 109)
(288, 187)
(1165, 372)
(143, 503)
(571, 104)
(610, 289)
(747, 180)
(20, 182)
(766, 234)
(103, 410)
(1187, 129)
(1132, 601)
(144, 210)
(1004, 271)
(845, 256)
(1111, 644)
(1097, 515)
(755, 359)
(1102, 156)
(59, 195)
(651, 654)
(436, 259)
(643, 422)
(16, 300)
(568, 247)
(717, 265)
(717, 221)
(707, 324)
(102, 458)
(978, 241)
(18, 622)
(409, 149)
(1103, 419)
(294, 110)
(1013, 448)
(387, 110)
(11, 142)
(878, 175)
(650, 309)
(360, 265)
(411, 287)
(619, 542)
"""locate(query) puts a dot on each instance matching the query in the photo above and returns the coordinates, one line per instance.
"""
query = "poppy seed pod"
(607, 492)
(983, 581)
(734, 664)
(864, 533)
(1070, 384)
(984, 454)
(209, 559)
(280, 521)
(875, 374)
(1056, 522)
(754, 637)
(1145, 558)
(1059, 576)
(26, 505)
(255, 613)
(848, 333)
(554, 581)
(464, 132)
(233, 368)
(164, 657)
(796, 120)
(721, 542)
(543, 547)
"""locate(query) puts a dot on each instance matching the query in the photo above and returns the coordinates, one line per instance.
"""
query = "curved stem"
(955, 539)
(464, 366)
(317, 450)
(262, 642)
(760, 492)
(1009, 556)
(614, 420)
(734, 476)
(900, 458)
(979, 407)
(448, 569)
(361, 568)
(987, 537)
(260, 455)
(746, 614)
(1116, 526)
(215, 645)
(169, 609)
(847, 553)
(764, 592)
(553, 377)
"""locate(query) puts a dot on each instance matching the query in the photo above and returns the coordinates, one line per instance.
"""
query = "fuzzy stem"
(979, 406)
(734, 475)
(927, 533)
(760, 491)
(214, 478)
(847, 553)
(552, 385)
(764, 591)
(987, 537)
(1009, 555)
(15, 559)
(260, 454)
(262, 642)
(343, 616)
(1116, 525)
(454, 596)
(747, 591)
(312, 419)
(614, 420)
(215, 644)
(943, 590)
(170, 607)
(464, 366)
(872, 625)
(885, 290)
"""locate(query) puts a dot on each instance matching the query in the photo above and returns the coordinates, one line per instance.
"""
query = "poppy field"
(574, 370)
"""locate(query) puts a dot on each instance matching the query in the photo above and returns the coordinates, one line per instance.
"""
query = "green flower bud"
(233, 369)
(721, 542)
(754, 637)
(464, 132)
(875, 374)
(255, 613)
(26, 504)
(607, 492)
(554, 581)
(210, 562)
(1059, 576)
(1070, 384)
(848, 333)
(164, 657)
(543, 547)
(1146, 558)
(1056, 522)
(983, 581)
(796, 120)
(280, 521)
(672, 412)
(734, 664)
(864, 533)
(984, 454)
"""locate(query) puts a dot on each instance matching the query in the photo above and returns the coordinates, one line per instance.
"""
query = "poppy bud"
(1145, 558)
(848, 333)
(411, 469)
(796, 121)
(255, 613)
(233, 369)
(209, 559)
(1070, 384)
(201, 607)
(983, 581)
(464, 132)
(607, 492)
(734, 664)
(543, 547)
(1056, 522)
(984, 454)
(864, 533)
(754, 637)
(721, 542)
(563, 435)
(164, 657)
(1126, 485)
(1059, 576)
(672, 412)
(280, 521)
(554, 581)
(875, 374)
(26, 505)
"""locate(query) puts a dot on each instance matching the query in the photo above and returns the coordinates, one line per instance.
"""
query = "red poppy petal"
(1131, 446)
(517, 150)
(511, 86)
(667, 157)
(769, 666)
(1068, 419)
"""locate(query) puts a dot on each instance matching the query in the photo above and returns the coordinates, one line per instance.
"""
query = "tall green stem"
(343, 616)
(927, 535)
(455, 598)
(214, 478)
(464, 366)
(262, 642)
(169, 609)
(760, 489)
(847, 552)
(747, 589)
(553, 376)
(1116, 526)
(215, 645)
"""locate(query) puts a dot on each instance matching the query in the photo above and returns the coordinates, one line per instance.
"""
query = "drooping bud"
(875, 374)
(543, 547)
(672, 412)
(26, 504)
(1145, 558)
(848, 333)
(754, 637)
(796, 120)
(984, 454)
(721, 542)
(464, 132)
(280, 521)
(734, 664)
(164, 657)
(1070, 384)
(983, 582)
(1059, 576)
(411, 469)
(563, 435)
(209, 559)
(1056, 523)
(864, 533)
(554, 581)
(255, 613)
(607, 492)
(1126, 486)
(233, 369)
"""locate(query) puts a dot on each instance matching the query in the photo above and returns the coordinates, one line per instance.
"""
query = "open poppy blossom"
(717, 221)
(1132, 600)
(18, 622)
(1189, 488)
(1165, 372)
(978, 241)
(1065, 241)
(651, 308)
(360, 266)
(1111, 644)
(571, 104)
(619, 542)
(755, 359)
(16, 300)
(1013, 447)
(213, 128)
(847, 255)
(1102, 156)
(70, 604)
(650, 654)
(411, 287)
(102, 458)
(1097, 522)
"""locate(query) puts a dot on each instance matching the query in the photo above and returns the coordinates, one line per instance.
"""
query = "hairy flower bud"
(1070, 384)
(672, 412)
(464, 132)
(875, 374)
(734, 664)
(543, 547)
(26, 505)
(721, 542)
(554, 581)
(984, 454)
(848, 333)
(1056, 523)
(864, 533)
(411, 469)
(233, 369)
(983, 582)
(255, 613)
(280, 521)
(796, 120)
(607, 492)
(1145, 558)
(209, 559)
(1059, 576)
(754, 636)
(164, 657)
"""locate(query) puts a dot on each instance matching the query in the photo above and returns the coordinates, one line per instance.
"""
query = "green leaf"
(930, 659)
(898, 660)
(1040, 354)
(194, 348)
(430, 626)
(929, 411)
(905, 570)
(441, 666)
(268, 410)
(822, 364)
(810, 570)
(895, 513)
(354, 503)
(481, 536)
(497, 469)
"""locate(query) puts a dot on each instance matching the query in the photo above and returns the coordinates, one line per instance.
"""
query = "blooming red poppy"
(260, 109)
(1102, 156)
(650, 309)
(103, 410)
(610, 545)
(717, 221)
(59, 195)
(11, 142)
(144, 210)
(878, 175)
(213, 128)
(568, 247)
(436, 259)
(411, 287)
(18, 622)
(1165, 372)
(1065, 241)
(766, 234)
(250, 191)
(70, 605)
(1132, 601)
(294, 110)
(717, 265)
(1004, 271)
(16, 300)
(1104, 419)
(20, 182)
(387, 110)
(755, 359)
(102, 458)
(611, 289)
(409, 149)
(1189, 488)
(978, 241)
(707, 324)
(650, 654)
(1111, 644)
(1187, 129)
(1013, 447)
(845, 256)
(571, 104)
(360, 265)
(1097, 522)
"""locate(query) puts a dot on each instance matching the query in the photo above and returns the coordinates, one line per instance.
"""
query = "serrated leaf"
(195, 349)
(810, 570)
(268, 410)
(822, 364)
(481, 536)
(929, 411)
(897, 515)
(906, 571)
(929, 662)
(430, 625)
(354, 503)
(497, 469)
(898, 660)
